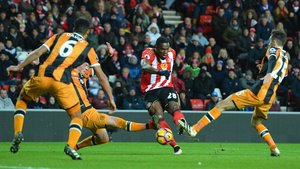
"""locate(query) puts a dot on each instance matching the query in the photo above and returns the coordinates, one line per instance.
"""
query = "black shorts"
(163, 95)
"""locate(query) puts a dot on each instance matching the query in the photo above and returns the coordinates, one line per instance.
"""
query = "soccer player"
(261, 95)
(64, 52)
(156, 84)
(94, 121)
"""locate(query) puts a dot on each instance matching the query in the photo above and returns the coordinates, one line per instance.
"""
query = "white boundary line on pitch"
(19, 167)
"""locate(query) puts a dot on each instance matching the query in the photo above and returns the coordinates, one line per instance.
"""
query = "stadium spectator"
(133, 64)
(263, 29)
(214, 99)
(188, 81)
(133, 101)
(264, 5)
(4, 19)
(193, 68)
(137, 32)
(203, 85)
(231, 84)
(154, 33)
(52, 104)
(187, 26)
(219, 73)
(281, 12)
(243, 44)
(126, 79)
(194, 46)
(137, 47)
(108, 35)
(202, 39)
(296, 92)
(141, 19)
(208, 60)
(179, 85)
(167, 32)
(180, 41)
(250, 18)
(4, 63)
(119, 92)
(231, 35)
(185, 103)
(290, 48)
(269, 17)
(215, 48)
(100, 13)
(11, 51)
(5, 101)
(247, 80)
(13, 93)
(100, 101)
(219, 25)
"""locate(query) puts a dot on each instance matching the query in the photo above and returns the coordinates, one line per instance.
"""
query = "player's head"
(162, 47)
(277, 38)
(82, 26)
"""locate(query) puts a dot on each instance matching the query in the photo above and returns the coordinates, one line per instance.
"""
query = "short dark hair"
(81, 25)
(161, 40)
(279, 36)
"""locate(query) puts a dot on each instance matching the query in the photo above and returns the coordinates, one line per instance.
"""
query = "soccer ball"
(164, 136)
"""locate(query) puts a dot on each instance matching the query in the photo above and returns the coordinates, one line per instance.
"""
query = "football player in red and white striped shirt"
(156, 84)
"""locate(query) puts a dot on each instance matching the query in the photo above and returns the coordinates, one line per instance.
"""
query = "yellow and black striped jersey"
(66, 51)
(276, 63)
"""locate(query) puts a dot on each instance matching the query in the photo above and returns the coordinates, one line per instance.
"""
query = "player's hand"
(113, 107)
(12, 69)
(110, 49)
(165, 73)
(267, 78)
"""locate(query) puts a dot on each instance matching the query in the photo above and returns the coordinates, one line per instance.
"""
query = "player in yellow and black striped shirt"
(65, 52)
(261, 95)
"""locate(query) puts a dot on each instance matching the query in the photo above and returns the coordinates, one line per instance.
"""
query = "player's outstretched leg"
(100, 137)
(128, 125)
(173, 144)
(212, 115)
(265, 135)
(19, 116)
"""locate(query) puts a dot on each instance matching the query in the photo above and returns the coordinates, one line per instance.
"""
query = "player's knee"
(254, 122)
(102, 138)
(76, 114)
(173, 107)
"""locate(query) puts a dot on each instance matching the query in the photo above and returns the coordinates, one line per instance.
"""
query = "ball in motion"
(164, 136)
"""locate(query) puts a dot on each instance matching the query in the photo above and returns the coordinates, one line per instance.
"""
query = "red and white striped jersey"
(155, 81)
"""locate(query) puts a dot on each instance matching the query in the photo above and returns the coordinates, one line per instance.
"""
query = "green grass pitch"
(117, 155)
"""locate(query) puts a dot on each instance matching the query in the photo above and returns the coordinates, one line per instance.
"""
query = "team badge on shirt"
(164, 66)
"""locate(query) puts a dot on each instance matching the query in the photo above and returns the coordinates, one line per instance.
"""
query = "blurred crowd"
(219, 45)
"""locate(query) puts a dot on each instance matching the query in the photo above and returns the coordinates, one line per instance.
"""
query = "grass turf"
(118, 155)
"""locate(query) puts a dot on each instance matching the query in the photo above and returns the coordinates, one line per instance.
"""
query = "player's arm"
(148, 68)
(33, 56)
(92, 56)
(105, 85)
(271, 65)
